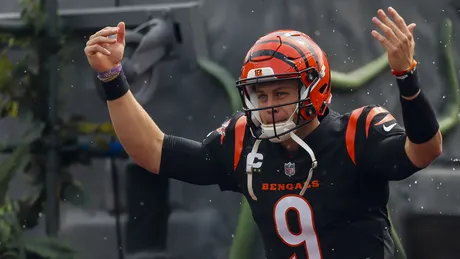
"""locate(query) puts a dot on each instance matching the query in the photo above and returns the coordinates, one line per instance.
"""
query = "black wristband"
(419, 119)
(408, 84)
(115, 88)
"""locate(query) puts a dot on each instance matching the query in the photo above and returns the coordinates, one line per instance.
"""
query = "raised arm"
(140, 136)
(174, 157)
(424, 140)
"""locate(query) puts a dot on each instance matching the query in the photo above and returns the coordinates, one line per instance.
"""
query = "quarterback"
(317, 181)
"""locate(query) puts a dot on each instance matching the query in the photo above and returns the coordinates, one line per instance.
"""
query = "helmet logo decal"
(262, 71)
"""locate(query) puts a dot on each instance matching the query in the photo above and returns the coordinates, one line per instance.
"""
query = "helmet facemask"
(278, 131)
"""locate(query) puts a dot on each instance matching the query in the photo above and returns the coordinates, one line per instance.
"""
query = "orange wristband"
(401, 73)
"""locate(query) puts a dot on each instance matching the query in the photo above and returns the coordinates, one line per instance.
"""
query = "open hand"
(398, 40)
(104, 49)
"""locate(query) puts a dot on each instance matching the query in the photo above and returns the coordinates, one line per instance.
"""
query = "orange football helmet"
(285, 55)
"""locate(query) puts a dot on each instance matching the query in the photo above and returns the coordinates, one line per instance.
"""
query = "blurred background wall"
(190, 103)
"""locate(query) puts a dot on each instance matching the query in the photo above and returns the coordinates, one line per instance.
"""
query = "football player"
(317, 181)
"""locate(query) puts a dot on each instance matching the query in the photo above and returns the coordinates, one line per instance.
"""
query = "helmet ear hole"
(323, 89)
(308, 112)
(323, 108)
(311, 75)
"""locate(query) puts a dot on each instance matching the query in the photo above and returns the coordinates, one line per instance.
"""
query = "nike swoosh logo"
(387, 129)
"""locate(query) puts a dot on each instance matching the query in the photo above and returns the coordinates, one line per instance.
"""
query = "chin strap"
(314, 163)
(249, 167)
(249, 170)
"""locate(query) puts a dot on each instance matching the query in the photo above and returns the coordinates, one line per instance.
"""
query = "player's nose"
(271, 101)
(271, 111)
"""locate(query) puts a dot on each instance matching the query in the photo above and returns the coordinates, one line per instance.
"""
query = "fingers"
(384, 41)
(108, 35)
(121, 32)
(390, 35)
(411, 28)
(402, 26)
(94, 49)
(100, 40)
(105, 36)
(388, 26)
(396, 32)
(106, 32)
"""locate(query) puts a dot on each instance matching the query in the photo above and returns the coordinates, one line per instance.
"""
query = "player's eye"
(261, 97)
(281, 94)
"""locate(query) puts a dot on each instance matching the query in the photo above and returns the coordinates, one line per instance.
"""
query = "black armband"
(115, 88)
(175, 147)
(183, 159)
(190, 161)
(408, 84)
(419, 119)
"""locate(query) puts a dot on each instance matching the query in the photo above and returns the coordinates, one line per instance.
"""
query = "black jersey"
(342, 214)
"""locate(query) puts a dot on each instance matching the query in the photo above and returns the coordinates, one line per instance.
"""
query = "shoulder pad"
(360, 122)
(229, 137)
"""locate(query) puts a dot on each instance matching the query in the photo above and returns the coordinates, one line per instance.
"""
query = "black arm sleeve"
(418, 130)
(185, 160)
(197, 163)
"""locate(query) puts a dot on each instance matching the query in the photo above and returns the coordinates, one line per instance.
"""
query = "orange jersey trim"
(350, 134)
(240, 129)
(371, 115)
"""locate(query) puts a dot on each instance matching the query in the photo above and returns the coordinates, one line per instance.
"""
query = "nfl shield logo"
(289, 169)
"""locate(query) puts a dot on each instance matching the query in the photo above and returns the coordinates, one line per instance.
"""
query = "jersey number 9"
(307, 235)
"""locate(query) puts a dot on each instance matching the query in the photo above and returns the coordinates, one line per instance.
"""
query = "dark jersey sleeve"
(204, 163)
(380, 144)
